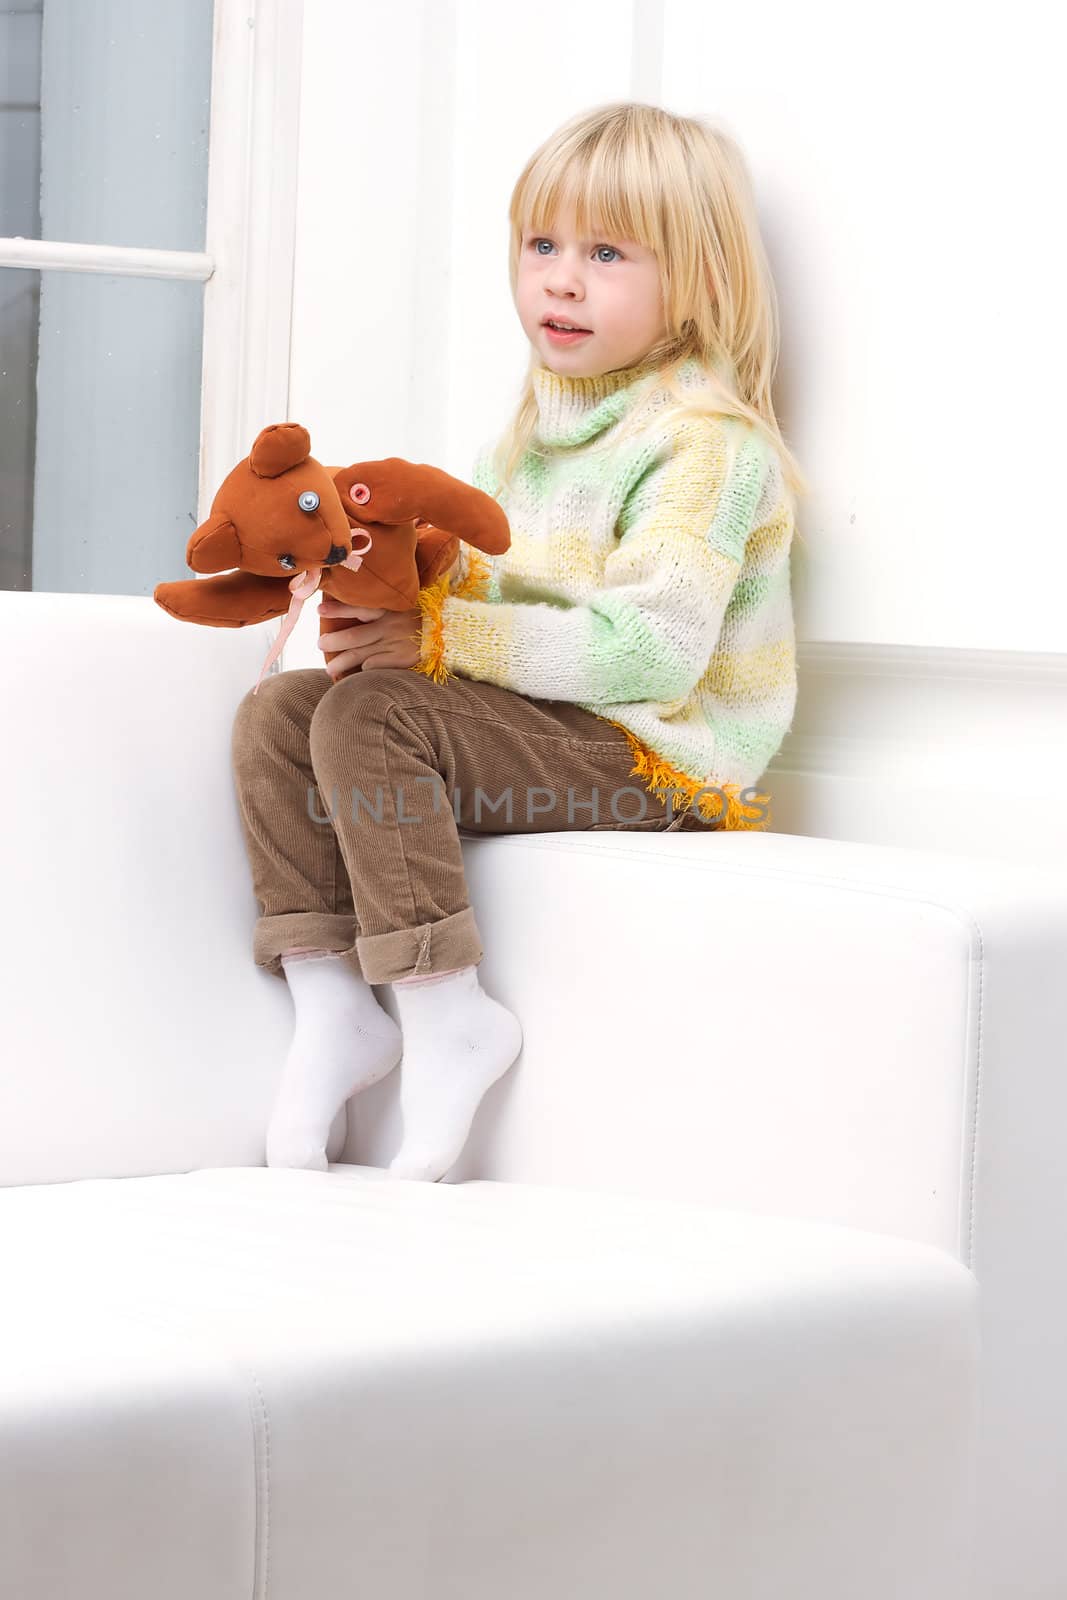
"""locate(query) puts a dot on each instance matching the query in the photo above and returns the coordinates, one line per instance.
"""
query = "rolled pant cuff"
(323, 929)
(432, 947)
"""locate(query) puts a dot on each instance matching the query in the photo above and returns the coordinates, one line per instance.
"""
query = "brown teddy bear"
(372, 534)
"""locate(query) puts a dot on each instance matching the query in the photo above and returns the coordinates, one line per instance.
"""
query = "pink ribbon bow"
(302, 587)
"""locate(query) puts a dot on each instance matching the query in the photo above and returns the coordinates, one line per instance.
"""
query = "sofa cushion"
(279, 1384)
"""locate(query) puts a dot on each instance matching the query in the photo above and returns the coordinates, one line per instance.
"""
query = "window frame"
(246, 266)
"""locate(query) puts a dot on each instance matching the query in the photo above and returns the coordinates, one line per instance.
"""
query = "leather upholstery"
(854, 1037)
(258, 1383)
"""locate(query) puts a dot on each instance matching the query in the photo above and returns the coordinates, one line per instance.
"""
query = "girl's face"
(609, 286)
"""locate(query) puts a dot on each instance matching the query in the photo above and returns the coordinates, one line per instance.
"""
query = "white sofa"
(694, 1314)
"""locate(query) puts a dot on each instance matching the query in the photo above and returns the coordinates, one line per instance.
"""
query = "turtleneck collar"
(571, 411)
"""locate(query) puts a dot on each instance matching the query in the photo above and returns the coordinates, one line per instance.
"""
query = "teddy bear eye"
(359, 493)
(308, 501)
(287, 562)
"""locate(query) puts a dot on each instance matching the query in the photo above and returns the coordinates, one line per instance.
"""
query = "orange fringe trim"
(431, 599)
(659, 776)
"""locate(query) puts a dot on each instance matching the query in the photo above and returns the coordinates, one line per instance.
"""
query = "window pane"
(99, 430)
(107, 103)
(20, 122)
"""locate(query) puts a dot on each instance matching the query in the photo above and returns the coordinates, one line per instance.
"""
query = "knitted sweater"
(647, 581)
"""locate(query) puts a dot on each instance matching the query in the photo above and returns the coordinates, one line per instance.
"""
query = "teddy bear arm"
(228, 600)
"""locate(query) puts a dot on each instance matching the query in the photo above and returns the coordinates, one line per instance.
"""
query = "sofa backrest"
(138, 1035)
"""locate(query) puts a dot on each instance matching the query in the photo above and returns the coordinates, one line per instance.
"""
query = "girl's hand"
(377, 638)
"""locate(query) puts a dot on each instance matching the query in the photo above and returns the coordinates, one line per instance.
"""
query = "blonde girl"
(639, 627)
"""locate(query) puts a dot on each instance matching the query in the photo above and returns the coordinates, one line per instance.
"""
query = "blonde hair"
(681, 188)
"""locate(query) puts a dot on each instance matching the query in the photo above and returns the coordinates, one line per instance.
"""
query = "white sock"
(343, 1042)
(457, 1042)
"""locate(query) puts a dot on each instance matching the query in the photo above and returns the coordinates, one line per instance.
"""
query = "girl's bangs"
(605, 203)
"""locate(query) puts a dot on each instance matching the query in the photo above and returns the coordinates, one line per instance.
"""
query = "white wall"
(415, 122)
(908, 166)
(906, 174)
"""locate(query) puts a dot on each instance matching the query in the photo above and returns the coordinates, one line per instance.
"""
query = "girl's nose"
(563, 272)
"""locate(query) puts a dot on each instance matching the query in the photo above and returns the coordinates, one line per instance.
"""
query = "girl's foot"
(343, 1042)
(457, 1042)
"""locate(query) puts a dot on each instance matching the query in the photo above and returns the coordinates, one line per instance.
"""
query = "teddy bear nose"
(337, 553)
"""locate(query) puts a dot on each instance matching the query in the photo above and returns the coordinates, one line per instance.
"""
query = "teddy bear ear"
(279, 447)
(214, 546)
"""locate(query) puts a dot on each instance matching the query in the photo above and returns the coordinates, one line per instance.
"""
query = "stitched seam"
(334, 853)
(977, 1100)
(628, 825)
(423, 956)
(603, 744)
(383, 726)
(261, 1461)
(608, 745)
(493, 721)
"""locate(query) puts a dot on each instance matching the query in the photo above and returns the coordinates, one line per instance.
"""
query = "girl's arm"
(650, 630)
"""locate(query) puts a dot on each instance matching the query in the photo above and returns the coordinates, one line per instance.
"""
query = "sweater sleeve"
(648, 632)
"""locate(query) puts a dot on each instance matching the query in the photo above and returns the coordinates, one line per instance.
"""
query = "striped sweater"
(647, 581)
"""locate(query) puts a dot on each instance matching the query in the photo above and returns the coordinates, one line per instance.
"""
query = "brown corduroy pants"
(352, 796)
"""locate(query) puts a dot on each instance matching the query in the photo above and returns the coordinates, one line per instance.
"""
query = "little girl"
(639, 625)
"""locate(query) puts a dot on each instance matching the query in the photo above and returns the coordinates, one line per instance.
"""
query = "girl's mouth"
(566, 335)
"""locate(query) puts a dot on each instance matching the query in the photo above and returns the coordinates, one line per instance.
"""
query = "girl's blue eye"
(611, 247)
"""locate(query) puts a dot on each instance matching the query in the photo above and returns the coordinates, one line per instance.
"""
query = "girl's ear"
(214, 546)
